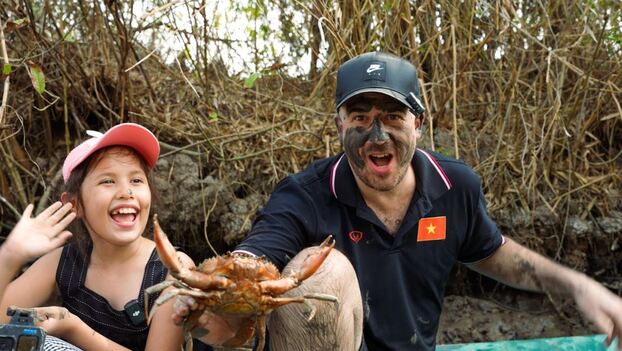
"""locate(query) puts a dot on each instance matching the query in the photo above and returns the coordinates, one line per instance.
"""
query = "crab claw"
(166, 251)
(315, 260)
(192, 277)
(308, 267)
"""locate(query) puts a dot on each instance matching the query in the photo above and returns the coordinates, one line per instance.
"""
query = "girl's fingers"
(60, 213)
(48, 312)
(51, 209)
(28, 211)
(65, 221)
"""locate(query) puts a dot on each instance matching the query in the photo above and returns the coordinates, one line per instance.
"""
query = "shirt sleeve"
(281, 228)
(483, 237)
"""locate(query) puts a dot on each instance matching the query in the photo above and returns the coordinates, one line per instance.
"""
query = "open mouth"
(380, 160)
(124, 215)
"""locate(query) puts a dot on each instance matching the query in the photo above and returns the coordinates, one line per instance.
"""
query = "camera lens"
(27, 343)
(6, 344)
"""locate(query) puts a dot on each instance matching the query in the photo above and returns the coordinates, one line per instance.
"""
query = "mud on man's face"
(379, 135)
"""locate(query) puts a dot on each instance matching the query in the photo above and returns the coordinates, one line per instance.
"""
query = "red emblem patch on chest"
(355, 236)
(432, 228)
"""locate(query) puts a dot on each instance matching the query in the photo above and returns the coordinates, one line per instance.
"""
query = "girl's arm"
(58, 321)
(163, 333)
(34, 287)
(31, 238)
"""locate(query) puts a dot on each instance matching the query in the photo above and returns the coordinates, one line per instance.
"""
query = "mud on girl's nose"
(125, 193)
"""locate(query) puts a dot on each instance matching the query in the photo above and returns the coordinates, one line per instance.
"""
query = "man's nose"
(377, 134)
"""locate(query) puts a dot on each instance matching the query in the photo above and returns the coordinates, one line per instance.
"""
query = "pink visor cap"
(131, 135)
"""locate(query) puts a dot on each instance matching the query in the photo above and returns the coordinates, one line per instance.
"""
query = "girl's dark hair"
(80, 234)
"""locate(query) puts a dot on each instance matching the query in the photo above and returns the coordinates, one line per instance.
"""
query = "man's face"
(379, 135)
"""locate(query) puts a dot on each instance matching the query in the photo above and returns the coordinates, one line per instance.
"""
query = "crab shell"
(235, 285)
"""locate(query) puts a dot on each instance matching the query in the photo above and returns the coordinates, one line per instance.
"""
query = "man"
(403, 216)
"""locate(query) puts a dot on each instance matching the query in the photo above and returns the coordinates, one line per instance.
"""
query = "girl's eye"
(106, 181)
(138, 180)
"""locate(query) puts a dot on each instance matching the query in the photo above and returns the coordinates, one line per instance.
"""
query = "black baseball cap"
(379, 72)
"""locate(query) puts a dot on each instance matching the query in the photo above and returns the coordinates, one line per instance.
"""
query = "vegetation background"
(240, 94)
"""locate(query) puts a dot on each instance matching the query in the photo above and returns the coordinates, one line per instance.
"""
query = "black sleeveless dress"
(95, 310)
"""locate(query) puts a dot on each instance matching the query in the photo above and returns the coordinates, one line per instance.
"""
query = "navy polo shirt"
(402, 277)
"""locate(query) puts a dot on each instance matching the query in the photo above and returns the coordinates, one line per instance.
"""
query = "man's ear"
(339, 124)
(419, 121)
(418, 125)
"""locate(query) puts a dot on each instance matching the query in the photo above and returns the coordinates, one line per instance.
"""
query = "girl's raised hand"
(35, 236)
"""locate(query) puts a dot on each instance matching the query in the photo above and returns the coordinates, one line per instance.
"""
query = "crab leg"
(168, 256)
(275, 302)
(261, 327)
(167, 295)
(309, 266)
(155, 289)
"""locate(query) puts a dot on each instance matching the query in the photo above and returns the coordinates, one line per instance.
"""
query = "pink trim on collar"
(438, 169)
(333, 171)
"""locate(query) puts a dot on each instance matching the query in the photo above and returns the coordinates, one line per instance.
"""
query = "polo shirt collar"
(432, 182)
(342, 183)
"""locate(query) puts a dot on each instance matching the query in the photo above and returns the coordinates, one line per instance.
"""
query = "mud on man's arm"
(519, 267)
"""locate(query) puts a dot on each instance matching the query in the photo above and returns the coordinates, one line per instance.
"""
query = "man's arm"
(519, 267)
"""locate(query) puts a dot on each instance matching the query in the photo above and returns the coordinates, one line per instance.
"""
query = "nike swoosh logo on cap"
(374, 67)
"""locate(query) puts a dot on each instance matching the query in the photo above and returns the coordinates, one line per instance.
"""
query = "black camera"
(21, 334)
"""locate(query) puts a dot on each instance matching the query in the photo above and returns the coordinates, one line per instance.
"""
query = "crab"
(236, 286)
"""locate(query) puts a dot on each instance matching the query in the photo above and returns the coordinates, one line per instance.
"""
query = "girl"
(100, 276)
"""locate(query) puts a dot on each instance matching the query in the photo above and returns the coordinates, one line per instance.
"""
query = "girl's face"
(116, 198)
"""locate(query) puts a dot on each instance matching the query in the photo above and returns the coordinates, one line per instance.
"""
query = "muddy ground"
(468, 319)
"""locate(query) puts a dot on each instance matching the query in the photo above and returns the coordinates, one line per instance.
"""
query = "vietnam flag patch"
(432, 228)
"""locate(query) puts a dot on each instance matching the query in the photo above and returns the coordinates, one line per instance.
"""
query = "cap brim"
(135, 136)
(392, 93)
(131, 135)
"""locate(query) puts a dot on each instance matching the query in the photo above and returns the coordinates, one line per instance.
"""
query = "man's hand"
(522, 268)
(34, 237)
(210, 328)
(601, 307)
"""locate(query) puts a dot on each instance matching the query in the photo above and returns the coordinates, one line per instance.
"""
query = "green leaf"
(213, 115)
(7, 69)
(388, 6)
(250, 81)
(37, 8)
(69, 37)
(37, 77)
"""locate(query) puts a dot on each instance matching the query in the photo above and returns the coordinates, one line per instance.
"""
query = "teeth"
(383, 155)
(124, 210)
